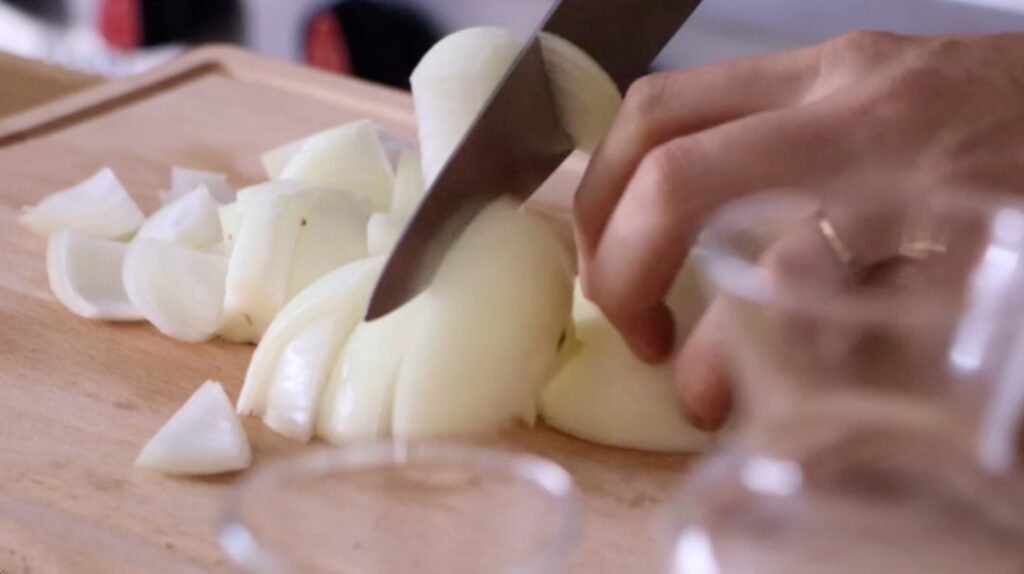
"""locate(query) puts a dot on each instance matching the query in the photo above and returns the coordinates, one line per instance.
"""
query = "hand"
(863, 110)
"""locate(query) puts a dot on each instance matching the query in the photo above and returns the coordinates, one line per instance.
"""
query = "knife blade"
(516, 142)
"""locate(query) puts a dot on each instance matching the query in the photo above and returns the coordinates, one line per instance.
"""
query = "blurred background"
(382, 39)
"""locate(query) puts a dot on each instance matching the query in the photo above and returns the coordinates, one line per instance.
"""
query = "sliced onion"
(203, 437)
(489, 335)
(191, 220)
(99, 207)
(341, 295)
(179, 290)
(291, 234)
(383, 231)
(275, 160)
(85, 276)
(356, 405)
(230, 218)
(587, 98)
(409, 184)
(452, 83)
(605, 394)
(185, 180)
(349, 158)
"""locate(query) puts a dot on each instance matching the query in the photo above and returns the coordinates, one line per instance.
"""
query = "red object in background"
(121, 23)
(326, 47)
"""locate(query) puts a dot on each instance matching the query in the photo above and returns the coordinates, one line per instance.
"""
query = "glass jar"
(877, 349)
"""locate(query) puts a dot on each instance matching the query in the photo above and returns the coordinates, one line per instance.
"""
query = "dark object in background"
(48, 10)
(371, 40)
(131, 24)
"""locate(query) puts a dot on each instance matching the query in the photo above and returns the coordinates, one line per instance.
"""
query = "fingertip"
(703, 378)
(650, 333)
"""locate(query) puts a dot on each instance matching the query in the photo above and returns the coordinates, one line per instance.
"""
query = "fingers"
(702, 373)
(651, 229)
(671, 105)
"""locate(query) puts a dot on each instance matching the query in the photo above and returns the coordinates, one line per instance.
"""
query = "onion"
(203, 437)
(357, 402)
(410, 188)
(99, 207)
(383, 231)
(459, 74)
(291, 234)
(489, 333)
(177, 289)
(605, 394)
(191, 220)
(85, 276)
(341, 295)
(185, 180)
(349, 158)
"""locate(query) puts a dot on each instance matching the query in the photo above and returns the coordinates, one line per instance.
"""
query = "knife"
(516, 142)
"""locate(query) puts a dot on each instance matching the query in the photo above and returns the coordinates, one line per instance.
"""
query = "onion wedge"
(99, 207)
(192, 220)
(203, 437)
(350, 158)
(85, 275)
(410, 188)
(185, 180)
(357, 403)
(341, 296)
(489, 335)
(179, 290)
(605, 394)
(290, 234)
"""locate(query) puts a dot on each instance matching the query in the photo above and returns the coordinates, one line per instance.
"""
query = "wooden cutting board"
(79, 398)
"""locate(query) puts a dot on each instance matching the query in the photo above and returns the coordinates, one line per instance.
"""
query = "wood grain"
(78, 399)
(27, 84)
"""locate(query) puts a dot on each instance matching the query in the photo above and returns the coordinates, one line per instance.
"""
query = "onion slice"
(184, 180)
(341, 295)
(99, 207)
(85, 275)
(203, 437)
(351, 158)
(192, 220)
(605, 394)
(179, 290)
(410, 188)
(489, 335)
(357, 403)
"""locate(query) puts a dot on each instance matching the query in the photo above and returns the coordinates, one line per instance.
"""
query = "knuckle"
(643, 99)
(862, 48)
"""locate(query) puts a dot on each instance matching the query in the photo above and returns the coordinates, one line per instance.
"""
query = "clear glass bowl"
(880, 384)
(403, 508)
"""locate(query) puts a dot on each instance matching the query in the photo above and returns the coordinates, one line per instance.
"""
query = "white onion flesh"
(490, 328)
(410, 187)
(357, 403)
(177, 289)
(341, 295)
(275, 160)
(383, 231)
(302, 371)
(85, 276)
(605, 394)
(458, 75)
(98, 207)
(203, 437)
(290, 234)
(192, 220)
(350, 158)
(184, 180)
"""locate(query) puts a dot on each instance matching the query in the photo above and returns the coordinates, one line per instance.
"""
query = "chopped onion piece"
(275, 160)
(341, 295)
(383, 231)
(290, 234)
(179, 290)
(191, 220)
(357, 402)
(349, 158)
(99, 207)
(489, 335)
(203, 437)
(409, 185)
(85, 275)
(605, 394)
(185, 180)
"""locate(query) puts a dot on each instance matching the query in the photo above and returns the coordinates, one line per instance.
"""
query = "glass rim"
(731, 272)
(245, 548)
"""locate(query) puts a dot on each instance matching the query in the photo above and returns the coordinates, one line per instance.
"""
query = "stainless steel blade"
(517, 142)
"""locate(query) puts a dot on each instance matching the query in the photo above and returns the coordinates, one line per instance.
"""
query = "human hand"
(865, 110)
